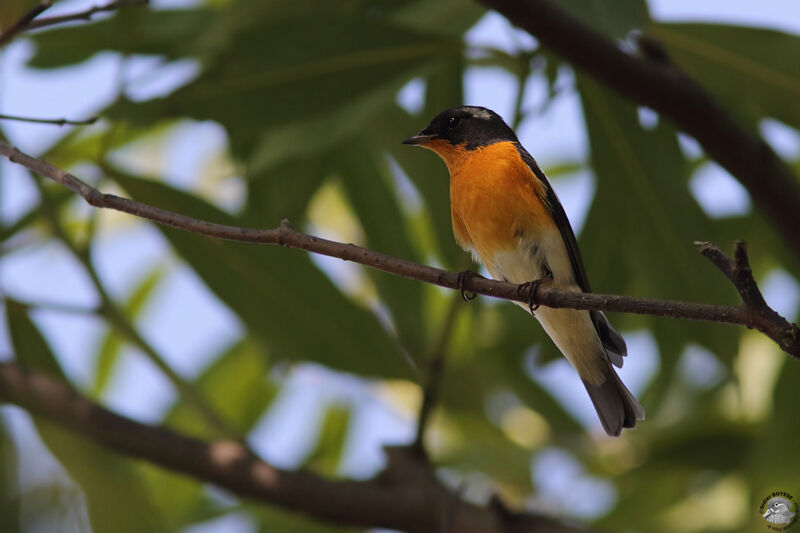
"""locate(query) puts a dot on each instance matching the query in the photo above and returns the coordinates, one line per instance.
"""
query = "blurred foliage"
(306, 93)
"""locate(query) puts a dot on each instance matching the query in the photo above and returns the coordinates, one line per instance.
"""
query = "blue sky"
(188, 325)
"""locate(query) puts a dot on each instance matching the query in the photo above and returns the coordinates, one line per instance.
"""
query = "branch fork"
(763, 318)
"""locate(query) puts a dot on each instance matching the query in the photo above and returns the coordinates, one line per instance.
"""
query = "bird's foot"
(529, 288)
(462, 279)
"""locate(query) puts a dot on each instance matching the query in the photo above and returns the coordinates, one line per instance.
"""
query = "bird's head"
(455, 131)
(779, 505)
(779, 511)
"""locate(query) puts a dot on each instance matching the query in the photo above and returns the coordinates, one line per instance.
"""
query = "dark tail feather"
(612, 341)
(614, 403)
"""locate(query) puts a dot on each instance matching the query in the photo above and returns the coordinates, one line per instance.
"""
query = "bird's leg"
(462, 279)
(530, 287)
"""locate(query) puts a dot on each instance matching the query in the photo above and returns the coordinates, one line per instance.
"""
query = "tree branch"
(83, 15)
(738, 271)
(406, 496)
(665, 89)
(785, 334)
(24, 21)
(54, 121)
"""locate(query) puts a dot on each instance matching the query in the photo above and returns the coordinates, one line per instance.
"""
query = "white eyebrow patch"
(477, 112)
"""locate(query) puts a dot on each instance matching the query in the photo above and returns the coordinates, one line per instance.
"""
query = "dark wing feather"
(561, 220)
(612, 341)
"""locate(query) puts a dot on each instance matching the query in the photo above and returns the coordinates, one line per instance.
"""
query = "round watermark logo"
(779, 510)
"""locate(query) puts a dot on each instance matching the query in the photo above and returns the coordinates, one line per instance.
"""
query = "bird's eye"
(452, 122)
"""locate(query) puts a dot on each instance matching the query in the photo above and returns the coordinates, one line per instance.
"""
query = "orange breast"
(494, 197)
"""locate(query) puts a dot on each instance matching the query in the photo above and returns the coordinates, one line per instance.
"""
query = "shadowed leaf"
(283, 298)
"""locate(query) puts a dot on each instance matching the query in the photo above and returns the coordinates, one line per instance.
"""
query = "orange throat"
(454, 156)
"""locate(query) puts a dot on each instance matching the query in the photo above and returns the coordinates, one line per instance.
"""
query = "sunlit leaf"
(111, 345)
(237, 385)
(327, 453)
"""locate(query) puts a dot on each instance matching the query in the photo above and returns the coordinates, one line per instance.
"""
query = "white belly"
(571, 330)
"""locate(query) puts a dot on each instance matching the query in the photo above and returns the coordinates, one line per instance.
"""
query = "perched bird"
(779, 511)
(507, 215)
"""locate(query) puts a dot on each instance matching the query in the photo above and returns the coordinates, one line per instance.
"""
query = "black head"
(469, 126)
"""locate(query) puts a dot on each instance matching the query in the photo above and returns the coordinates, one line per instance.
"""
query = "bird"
(506, 214)
(779, 511)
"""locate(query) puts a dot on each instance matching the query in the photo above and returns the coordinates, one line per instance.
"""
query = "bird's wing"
(612, 341)
(561, 221)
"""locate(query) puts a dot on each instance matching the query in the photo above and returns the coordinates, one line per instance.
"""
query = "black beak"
(421, 138)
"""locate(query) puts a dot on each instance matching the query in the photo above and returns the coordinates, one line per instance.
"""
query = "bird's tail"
(614, 403)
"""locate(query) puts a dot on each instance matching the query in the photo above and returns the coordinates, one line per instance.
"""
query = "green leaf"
(780, 431)
(238, 387)
(366, 179)
(327, 454)
(111, 345)
(132, 30)
(317, 139)
(642, 502)
(564, 168)
(284, 191)
(483, 447)
(703, 443)
(57, 198)
(753, 71)
(80, 145)
(282, 297)
(639, 231)
(450, 17)
(12, 10)
(115, 496)
(324, 63)
(28, 344)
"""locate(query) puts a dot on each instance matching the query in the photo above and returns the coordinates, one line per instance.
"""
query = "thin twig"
(58, 307)
(738, 270)
(408, 503)
(434, 373)
(773, 325)
(54, 121)
(83, 15)
(24, 21)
